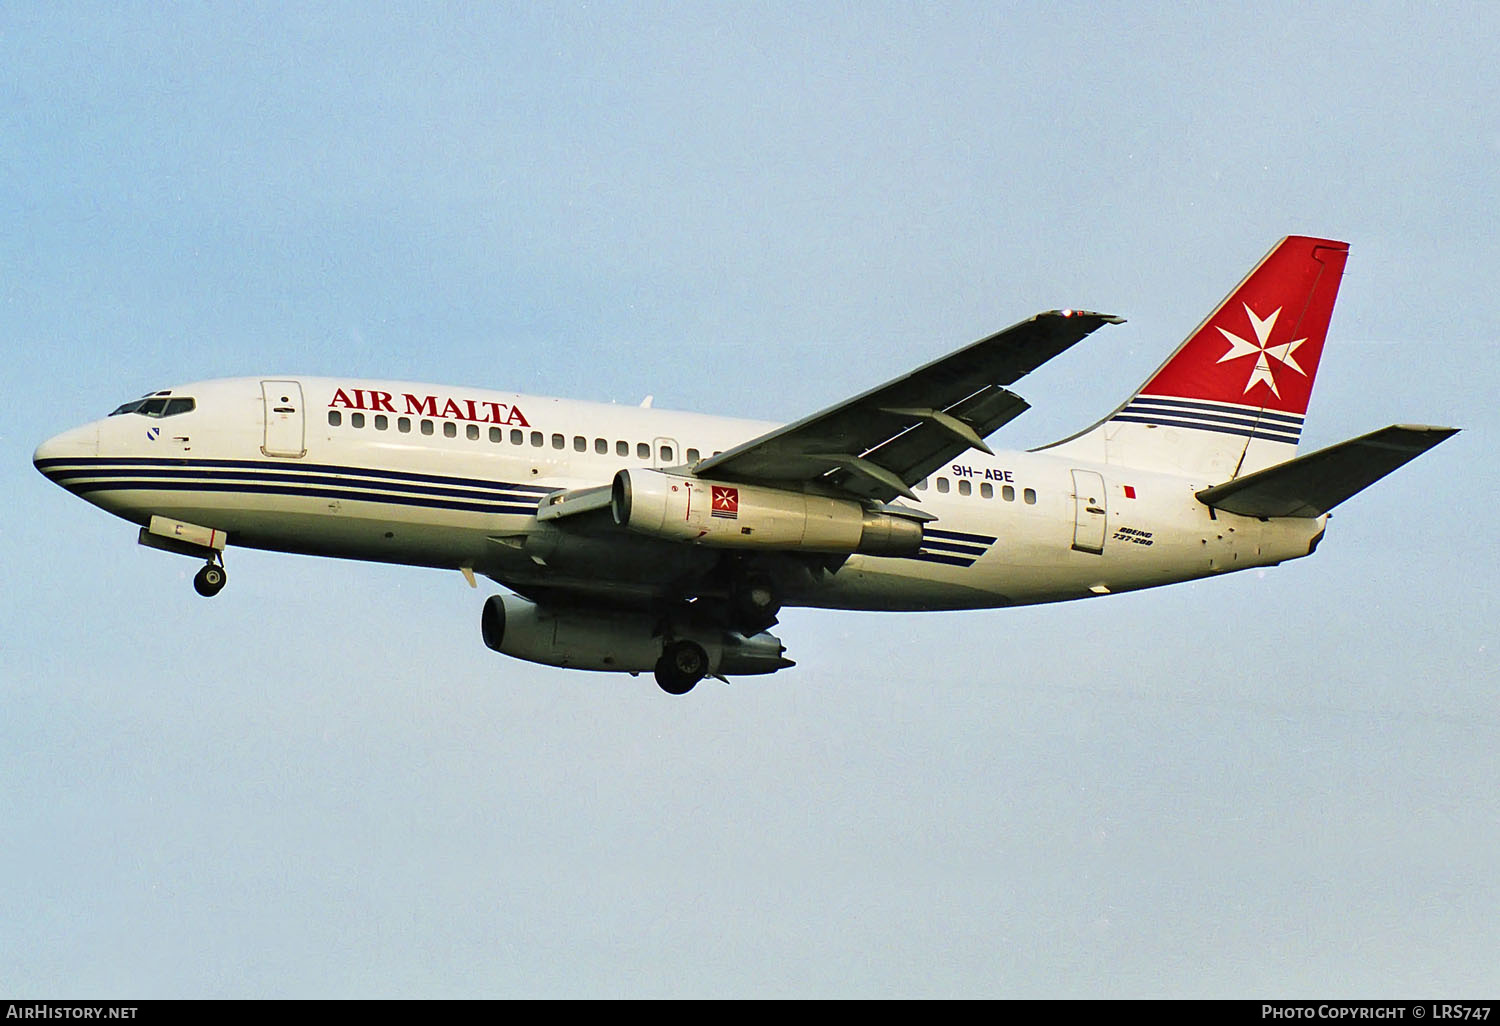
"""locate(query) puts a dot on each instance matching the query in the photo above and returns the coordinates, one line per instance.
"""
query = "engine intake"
(700, 512)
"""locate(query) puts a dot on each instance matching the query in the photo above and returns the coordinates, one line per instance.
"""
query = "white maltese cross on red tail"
(1261, 349)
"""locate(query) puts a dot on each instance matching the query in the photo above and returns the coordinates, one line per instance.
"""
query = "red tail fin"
(1231, 399)
(1261, 346)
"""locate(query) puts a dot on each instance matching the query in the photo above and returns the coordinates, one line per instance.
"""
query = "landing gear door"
(285, 425)
(1089, 511)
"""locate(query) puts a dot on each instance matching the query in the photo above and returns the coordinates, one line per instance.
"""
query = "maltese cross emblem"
(1262, 350)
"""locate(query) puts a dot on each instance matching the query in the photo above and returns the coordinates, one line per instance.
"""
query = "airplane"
(634, 539)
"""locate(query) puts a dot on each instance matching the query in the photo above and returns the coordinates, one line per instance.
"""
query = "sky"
(322, 784)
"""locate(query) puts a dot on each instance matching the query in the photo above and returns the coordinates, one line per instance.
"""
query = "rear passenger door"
(1089, 511)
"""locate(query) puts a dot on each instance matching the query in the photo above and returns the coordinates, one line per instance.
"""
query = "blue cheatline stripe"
(1246, 432)
(1231, 419)
(101, 479)
(1242, 420)
(929, 544)
(1254, 412)
(278, 466)
(952, 548)
(1212, 413)
(311, 493)
(937, 557)
(1207, 420)
(976, 539)
(253, 478)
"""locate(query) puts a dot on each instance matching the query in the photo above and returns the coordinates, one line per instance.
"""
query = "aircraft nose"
(70, 445)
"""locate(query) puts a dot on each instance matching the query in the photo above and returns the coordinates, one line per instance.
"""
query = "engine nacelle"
(613, 639)
(689, 509)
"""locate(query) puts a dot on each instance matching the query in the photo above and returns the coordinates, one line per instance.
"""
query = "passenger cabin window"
(403, 425)
(580, 444)
(666, 454)
(692, 455)
(496, 434)
(426, 427)
(357, 420)
(471, 432)
(450, 429)
(381, 422)
(335, 418)
(942, 485)
(1030, 496)
(965, 487)
(622, 448)
(601, 447)
(642, 451)
(987, 490)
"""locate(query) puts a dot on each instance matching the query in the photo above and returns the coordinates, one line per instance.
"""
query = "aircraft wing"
(877, 445)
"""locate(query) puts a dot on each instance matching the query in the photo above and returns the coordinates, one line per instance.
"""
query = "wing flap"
(1311, 485)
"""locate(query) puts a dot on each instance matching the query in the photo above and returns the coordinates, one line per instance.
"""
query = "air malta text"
(481, 410)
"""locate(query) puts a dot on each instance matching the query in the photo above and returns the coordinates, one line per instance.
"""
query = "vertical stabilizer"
(1231, 399)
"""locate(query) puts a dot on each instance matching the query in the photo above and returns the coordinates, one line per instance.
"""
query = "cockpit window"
(156, 406)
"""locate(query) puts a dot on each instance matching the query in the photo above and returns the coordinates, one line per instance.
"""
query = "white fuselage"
(451, 477)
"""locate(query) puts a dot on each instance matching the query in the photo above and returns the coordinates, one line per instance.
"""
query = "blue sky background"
(321, 784)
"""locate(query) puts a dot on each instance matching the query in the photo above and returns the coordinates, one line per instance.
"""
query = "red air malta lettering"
(482, 411)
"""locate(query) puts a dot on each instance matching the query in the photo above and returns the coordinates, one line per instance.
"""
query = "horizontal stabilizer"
(1311, 485)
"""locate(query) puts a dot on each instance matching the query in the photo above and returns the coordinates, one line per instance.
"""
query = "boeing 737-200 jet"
(634, 539)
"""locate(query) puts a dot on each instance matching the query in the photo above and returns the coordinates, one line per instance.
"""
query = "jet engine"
(689, 509)
(625, 641)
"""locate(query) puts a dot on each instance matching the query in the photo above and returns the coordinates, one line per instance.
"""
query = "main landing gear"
(753, 603)
(747, 607)
(681, 666)
(209, 581)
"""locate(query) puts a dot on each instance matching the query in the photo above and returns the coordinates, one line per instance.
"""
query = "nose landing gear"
(210, 580)
(186, 539)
